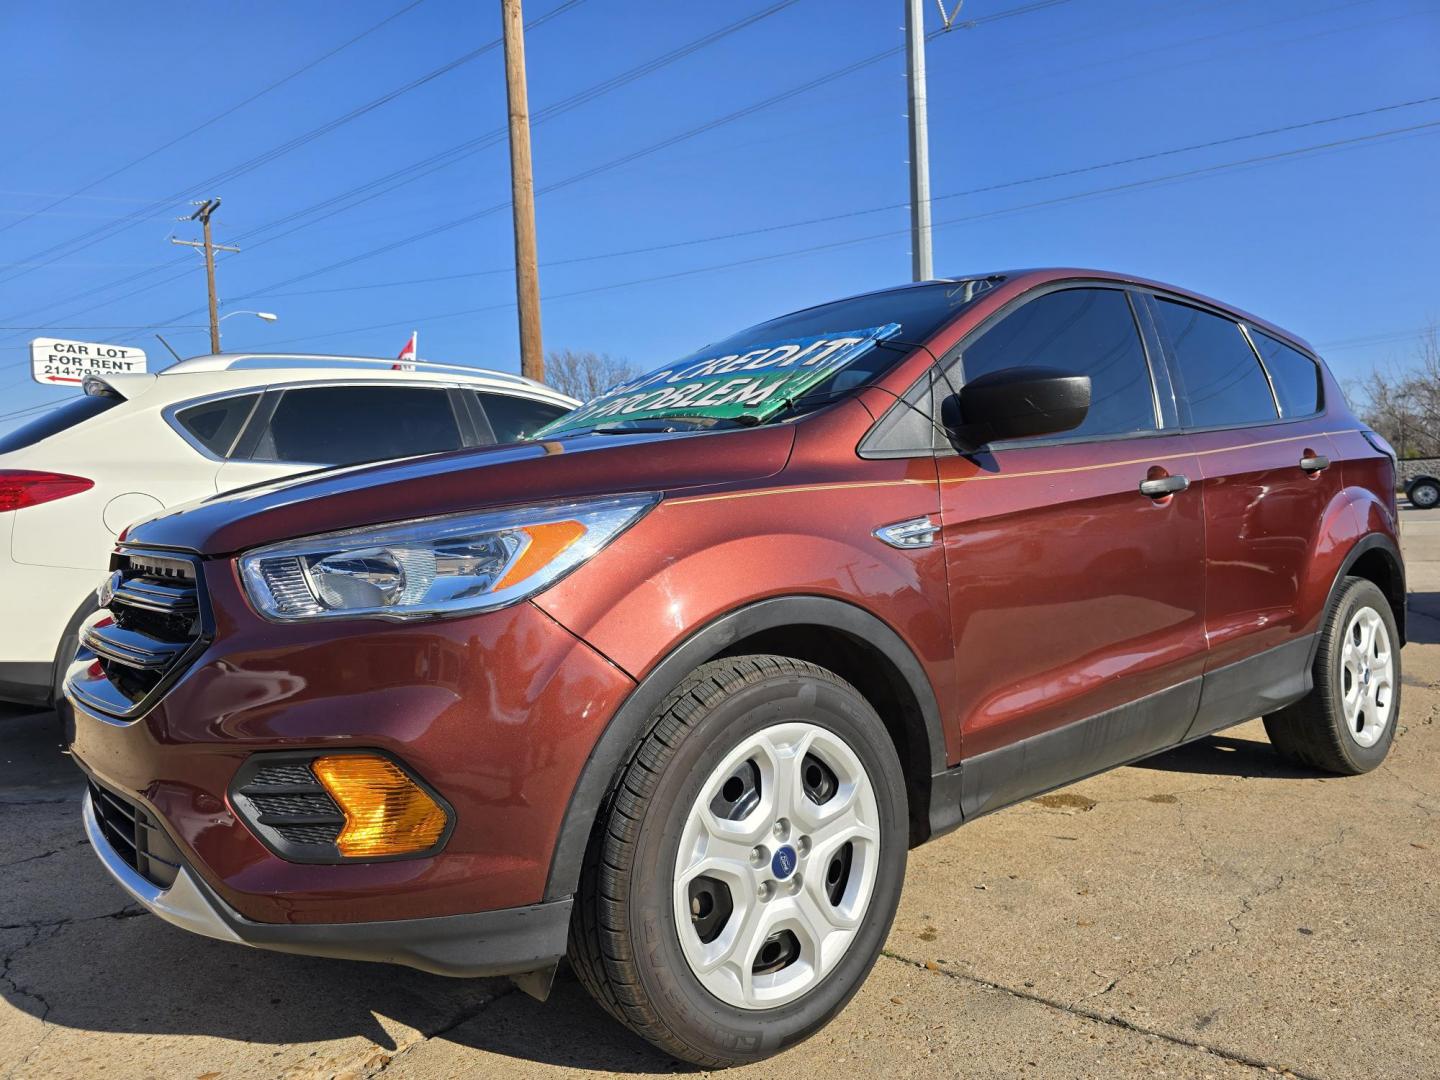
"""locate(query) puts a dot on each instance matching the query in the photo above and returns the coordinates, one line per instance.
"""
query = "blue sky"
(1341, 245)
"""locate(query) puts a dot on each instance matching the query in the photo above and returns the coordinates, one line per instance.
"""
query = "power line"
(414, 171)
(214, 119)
(290, 145)
(635, 155)
(830, 218)
(1262, 159)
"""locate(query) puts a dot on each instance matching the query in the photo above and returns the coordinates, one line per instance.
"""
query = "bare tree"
(1402, 402)
(585, 375)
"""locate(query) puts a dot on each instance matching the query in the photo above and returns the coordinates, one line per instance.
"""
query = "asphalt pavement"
(1211, 912)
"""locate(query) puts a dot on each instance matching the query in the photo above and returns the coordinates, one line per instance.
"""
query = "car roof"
(1036, 276)
(205, 375)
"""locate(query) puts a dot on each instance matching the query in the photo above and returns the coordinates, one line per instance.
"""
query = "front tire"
(746, 867)
(1347, 722)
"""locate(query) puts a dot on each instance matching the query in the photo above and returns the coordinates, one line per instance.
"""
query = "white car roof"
(202, 376)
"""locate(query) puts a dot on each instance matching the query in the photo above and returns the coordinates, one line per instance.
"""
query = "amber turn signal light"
(386, 812)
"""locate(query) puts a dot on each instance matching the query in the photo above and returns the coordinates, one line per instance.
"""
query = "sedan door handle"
(1314, 462)
(1165, 485)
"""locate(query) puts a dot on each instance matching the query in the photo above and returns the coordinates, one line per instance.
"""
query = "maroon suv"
(673, 686)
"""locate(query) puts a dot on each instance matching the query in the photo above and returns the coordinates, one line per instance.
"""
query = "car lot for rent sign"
(56, 362)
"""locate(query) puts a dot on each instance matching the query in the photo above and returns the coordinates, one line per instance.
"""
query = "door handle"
(1163, 486)
(1313, 463)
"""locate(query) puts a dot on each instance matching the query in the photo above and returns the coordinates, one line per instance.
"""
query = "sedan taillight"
(20, 488)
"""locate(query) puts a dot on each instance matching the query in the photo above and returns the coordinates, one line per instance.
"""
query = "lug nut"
(766, 890)
(795, 884)
(782, 829)
(803, 845)
(760, 856)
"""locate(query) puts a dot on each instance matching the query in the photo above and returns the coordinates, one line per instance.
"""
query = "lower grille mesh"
(287, 800)
(136, 836)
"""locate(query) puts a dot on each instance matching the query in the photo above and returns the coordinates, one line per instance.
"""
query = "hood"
(354, 496)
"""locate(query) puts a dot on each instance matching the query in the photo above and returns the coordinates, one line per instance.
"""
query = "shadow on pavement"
(77, 955)
(1422, 622)
(1226, 755)
(32, 766)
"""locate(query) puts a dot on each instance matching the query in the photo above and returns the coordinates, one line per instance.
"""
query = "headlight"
(453, 565)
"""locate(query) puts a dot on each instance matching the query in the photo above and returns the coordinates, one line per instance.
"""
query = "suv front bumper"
(509, 941)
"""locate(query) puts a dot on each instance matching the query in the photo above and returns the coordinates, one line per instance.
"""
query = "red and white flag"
(406, 360)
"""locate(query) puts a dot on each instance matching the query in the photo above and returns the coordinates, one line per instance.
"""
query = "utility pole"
(921, 265)
(207, 207)
(522, 194)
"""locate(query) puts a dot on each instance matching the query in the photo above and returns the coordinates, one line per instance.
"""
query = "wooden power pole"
(522, 188)
(207, 207)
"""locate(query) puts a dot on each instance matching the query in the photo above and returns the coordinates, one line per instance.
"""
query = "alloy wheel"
(1367, 676)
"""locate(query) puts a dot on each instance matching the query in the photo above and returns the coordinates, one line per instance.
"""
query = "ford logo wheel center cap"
(782, 863)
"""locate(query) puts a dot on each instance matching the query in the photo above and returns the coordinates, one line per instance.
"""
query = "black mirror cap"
(1017, 403)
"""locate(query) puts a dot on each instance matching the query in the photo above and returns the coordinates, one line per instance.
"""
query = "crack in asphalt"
(1247, 905)
(45, 854)
(18, 990)
(1235, 1057)
(130, 911)
(463, 1016)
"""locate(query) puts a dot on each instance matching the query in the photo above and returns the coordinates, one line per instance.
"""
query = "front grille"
(279, 796)
(136, 836)
(156, 621)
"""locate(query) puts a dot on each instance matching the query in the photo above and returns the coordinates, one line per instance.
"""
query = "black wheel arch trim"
(631, 720)
(1368, 543)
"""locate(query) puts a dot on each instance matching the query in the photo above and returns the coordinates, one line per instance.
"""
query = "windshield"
(818, 354)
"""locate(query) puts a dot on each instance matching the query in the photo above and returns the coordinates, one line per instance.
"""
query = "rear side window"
(1222, 380)
(1085, 332)
(216, 425)
(513, 418)
(342, 425)
(1295, 376)
(61, 418)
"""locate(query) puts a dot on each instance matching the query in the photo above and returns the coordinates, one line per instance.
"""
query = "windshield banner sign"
(755, 383)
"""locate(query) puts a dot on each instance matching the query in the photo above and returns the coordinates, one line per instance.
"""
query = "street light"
(268, 316)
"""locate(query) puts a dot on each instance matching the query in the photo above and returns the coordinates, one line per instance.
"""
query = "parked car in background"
(677, 685)
(1423, 491)
(71, 480)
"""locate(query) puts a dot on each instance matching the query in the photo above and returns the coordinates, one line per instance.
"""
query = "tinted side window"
(1221, 379)
(1296, 377)
(341, 425)
(61, 418)
(1084, 331)
(215, 424)
(514, 418)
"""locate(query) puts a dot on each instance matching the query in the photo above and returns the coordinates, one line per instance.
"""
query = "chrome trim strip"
(131, 648)
(182, 905)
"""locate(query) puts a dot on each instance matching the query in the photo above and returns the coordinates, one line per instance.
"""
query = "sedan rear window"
(215, 425)
(62, 418)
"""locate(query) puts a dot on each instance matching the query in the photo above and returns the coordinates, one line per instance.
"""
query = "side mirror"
(1016, 403)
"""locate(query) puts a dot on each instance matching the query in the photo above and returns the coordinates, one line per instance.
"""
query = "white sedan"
(73, 479)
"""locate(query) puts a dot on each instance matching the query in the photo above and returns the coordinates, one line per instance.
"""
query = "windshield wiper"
(678, 422)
